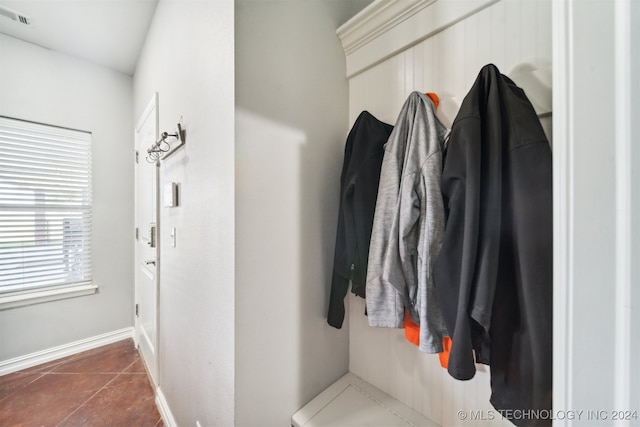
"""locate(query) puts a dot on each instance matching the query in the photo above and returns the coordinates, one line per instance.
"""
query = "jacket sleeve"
(385, 307)
(401, 257)
(453, 270)
(339, 282)
(432, 326)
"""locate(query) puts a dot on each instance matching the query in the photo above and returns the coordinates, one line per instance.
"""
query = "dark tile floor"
(106, 386)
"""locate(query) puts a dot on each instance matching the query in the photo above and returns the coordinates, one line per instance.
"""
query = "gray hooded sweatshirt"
(408, 225)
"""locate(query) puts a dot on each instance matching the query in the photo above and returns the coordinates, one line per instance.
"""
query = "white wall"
(188, 60)
(44, 86)
(291, 127)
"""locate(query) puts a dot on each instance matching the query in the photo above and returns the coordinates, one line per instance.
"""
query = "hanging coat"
(358, 189)
(409, 225)
(494, 272)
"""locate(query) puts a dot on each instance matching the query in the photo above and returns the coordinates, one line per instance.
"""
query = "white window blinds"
(45, 206)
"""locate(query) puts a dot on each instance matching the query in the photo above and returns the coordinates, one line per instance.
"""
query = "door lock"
(152, 235)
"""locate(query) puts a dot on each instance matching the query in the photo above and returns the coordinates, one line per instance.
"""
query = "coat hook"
(164, 146)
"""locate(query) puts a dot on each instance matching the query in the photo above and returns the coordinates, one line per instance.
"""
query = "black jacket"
(494, 272)
(358, 192)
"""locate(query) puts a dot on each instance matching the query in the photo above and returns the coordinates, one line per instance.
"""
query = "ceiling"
(108, 32)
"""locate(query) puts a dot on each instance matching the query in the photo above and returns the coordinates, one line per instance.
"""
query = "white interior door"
(147, 248)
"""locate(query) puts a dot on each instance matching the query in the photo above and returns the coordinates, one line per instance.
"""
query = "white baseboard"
(165, 411)
(50, 354)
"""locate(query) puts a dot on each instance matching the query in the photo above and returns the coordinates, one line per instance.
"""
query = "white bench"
(352, 402)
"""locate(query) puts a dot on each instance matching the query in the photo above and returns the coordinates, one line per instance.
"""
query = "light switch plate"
(170, 195)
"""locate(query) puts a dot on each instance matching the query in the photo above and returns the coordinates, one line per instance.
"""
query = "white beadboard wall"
(506, 33)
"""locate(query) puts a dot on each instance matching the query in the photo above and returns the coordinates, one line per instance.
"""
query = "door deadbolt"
(152, 235)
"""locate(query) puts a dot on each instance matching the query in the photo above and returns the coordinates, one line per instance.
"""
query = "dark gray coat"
(494, 273)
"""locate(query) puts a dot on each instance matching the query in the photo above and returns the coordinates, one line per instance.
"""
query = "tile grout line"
(150, 381)
(42, 374)
(130, 365)
(52, 369)
(96, 393)
(86, 401)
(52, 365)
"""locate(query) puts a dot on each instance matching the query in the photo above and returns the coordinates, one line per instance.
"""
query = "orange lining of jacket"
(412, 334)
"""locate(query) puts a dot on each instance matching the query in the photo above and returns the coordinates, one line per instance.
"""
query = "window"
(45, 210)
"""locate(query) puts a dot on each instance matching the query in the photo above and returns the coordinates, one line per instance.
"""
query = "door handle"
(150, 262)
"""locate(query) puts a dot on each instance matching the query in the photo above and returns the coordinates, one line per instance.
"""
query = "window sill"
(45, 295)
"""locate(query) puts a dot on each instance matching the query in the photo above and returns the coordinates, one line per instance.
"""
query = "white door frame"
(150, 112)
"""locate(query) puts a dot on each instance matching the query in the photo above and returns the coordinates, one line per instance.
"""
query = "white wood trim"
(634, 190)
(377, 18)
(374, 34)
(54, 353)
(574, 361)
(562, 29)
(14, 300)
(151, 112)
(151, 106)
(623, 337)
(163, 408)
